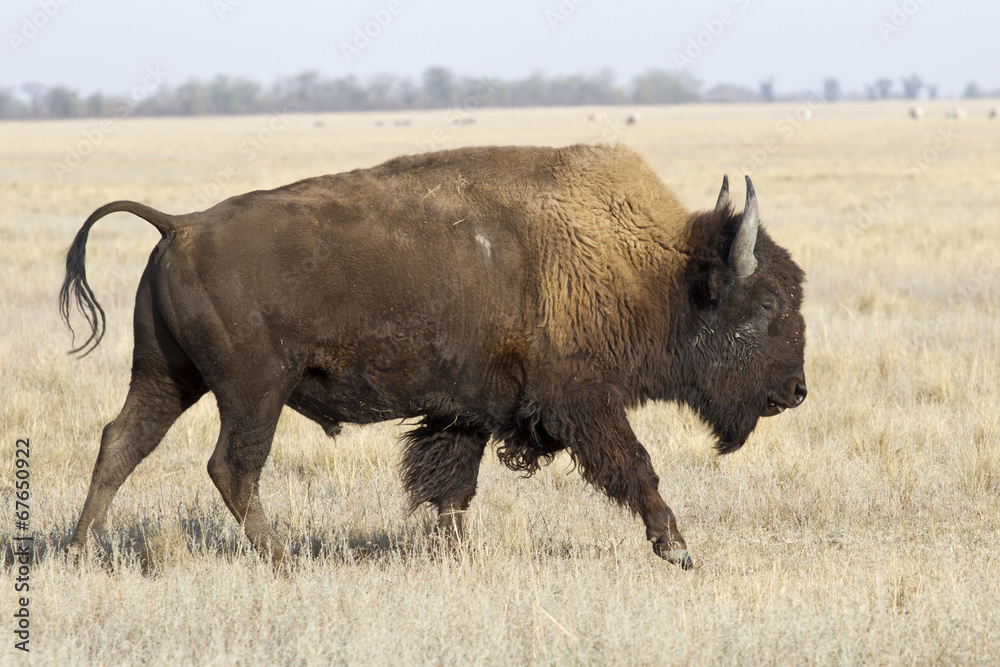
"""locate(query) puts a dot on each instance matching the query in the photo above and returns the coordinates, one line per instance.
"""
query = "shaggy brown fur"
(528, 294)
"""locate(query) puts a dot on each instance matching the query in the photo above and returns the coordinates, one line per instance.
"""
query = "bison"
(526, 295)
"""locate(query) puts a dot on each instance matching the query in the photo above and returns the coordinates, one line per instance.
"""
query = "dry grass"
(862, 527)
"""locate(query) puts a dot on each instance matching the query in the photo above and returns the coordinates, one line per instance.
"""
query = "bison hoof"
(75, 552)
(680, 557)
(676, 556)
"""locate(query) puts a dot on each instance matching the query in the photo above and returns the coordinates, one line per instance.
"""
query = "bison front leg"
(441, 466)
(611, 458)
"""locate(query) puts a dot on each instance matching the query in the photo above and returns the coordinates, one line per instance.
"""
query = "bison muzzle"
(527, 295)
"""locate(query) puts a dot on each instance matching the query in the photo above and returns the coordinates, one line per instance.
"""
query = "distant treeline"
(309, 92)
(154, 95)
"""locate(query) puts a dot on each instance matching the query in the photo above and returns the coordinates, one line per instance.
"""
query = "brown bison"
(529, 295)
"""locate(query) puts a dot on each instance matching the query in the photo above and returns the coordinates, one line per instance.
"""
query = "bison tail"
(75, 287)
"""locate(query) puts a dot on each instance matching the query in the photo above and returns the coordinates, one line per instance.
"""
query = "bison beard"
(525, 295)
(731, 424)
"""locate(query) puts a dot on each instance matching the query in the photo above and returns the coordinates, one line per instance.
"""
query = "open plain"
(862, 527)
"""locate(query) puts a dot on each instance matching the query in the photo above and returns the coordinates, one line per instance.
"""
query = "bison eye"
(769, 307)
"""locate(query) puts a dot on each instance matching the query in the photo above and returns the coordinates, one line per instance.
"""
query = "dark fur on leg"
(441, 462)
(527, 442)
(608, 455)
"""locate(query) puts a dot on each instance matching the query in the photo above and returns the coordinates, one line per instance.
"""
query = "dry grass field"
(860, 528)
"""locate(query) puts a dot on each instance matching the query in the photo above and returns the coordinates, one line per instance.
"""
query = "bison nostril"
(800, 393)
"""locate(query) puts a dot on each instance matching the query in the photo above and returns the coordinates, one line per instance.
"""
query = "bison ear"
(723, 200)
(741, 259)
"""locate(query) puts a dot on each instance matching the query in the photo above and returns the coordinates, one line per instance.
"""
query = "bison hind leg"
(440, 465)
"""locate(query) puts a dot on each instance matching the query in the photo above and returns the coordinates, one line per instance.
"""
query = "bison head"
(745, 337)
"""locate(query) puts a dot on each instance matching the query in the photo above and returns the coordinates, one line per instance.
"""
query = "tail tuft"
(75, 286)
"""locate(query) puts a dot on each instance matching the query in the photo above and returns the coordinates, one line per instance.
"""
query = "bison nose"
(799, 391)
(794, 392)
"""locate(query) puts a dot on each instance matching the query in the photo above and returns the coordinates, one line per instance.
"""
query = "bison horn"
(741, 259)
(723, 200)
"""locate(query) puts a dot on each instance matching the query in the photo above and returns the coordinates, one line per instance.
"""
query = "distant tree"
(528, 92)
(600, 89)
(343, 94)
(662, 87)
(578, 89)
(233, 96)
(303, 91)
(729, 93)
(767, 90)
(9, 107)
(932, 91)
(972, 90)
(884, 87)
(912, 86)
(96, 105)
(831, 90)
(193, 99)
(383, 92)
(36, 99)
(439, 87)
(62, 102)
(407, 94)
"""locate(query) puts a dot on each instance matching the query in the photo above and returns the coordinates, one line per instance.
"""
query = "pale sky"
(108, 45)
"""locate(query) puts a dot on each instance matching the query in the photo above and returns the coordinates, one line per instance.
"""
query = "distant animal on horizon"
(916, 113)
(525, 295)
